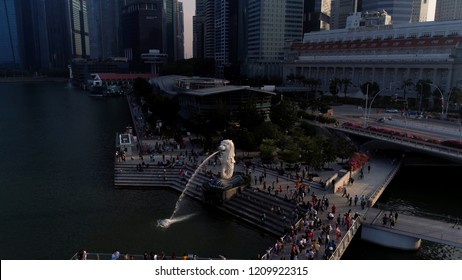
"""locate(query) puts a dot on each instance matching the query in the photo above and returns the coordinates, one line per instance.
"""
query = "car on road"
(392, 110)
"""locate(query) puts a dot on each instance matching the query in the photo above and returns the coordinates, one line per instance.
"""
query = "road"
(430, 128)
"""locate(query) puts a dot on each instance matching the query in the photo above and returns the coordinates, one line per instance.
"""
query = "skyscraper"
(58, 32)
(267, 34)
(80, 36)
(10, 55)
(103, 21)
(400, 10)
(173, 29)
(143, 28)
(448, 10)
(179, 33)
(199, 29)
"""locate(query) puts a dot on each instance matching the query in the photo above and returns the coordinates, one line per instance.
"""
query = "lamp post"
(365, 105)
(372, 101)
(447, 102)
(442, 98)
(460, 130)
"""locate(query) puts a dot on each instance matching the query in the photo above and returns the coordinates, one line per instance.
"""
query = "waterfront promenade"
(381, 168)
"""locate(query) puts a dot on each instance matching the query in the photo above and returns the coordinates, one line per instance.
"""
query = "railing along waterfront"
(347, 237)
(372, 199)
(107, 256)
(267, 255)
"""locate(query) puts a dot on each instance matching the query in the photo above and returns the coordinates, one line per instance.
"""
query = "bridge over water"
(445, 230)
(405, 142)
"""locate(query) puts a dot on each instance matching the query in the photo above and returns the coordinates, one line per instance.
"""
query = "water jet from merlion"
(226, 180)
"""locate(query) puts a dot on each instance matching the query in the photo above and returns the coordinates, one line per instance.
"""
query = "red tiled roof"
(430, 42)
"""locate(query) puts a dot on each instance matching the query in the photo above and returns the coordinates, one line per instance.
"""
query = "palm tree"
(334, 87)
(345, 83)
(405, 85)
(423, 88)
(370, 88)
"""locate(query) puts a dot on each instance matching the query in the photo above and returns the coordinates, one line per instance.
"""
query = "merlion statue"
(227, 159)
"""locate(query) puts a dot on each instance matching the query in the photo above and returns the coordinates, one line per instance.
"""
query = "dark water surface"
(57, 195)
(56, 185)
(429, 191)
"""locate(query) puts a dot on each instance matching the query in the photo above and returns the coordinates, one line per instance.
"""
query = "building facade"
(80, 33)
(387, 55)
(103, 20)
(267, 34)
(448, 10)
(143, 28)
(10, 55)
(199, 29)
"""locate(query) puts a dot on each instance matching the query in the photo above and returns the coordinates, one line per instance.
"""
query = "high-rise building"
(179, 32)
(399, 10)
(341, 9)
(142, 25)
(152, 25)
(58, 32)
(199, 29)
(103, 21)
(80, 34)
(10, 55)
(209, 29)
(448, 10)
(34, 34)
(423, 10)
(173, 29)
(222, 35)
(267, 34)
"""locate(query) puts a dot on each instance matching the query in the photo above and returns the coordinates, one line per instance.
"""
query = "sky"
(189, 7)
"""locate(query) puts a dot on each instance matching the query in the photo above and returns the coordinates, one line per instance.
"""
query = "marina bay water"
(57, 194)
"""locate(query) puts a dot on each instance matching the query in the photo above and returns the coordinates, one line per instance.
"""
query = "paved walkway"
(380, 170)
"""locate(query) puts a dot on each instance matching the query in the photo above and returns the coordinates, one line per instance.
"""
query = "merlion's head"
(226, 146)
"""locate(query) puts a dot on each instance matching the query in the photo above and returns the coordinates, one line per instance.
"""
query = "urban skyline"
(328, 15)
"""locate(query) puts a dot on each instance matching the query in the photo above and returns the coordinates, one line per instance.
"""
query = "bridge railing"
(405, 140)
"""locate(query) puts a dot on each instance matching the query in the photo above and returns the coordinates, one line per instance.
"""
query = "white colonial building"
(386, 54)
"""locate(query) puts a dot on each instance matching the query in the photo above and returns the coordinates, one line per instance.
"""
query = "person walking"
(392, 221)
(356, 199)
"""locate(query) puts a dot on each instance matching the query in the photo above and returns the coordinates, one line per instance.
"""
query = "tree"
(346, 83)
(142, 87)
(290, 153)
(219, 117)
(455, 97)
(268, 150)
(284, 114)
(423, 89)
(405, 85)
(248, 117)
(370, 88)
(334, 87)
